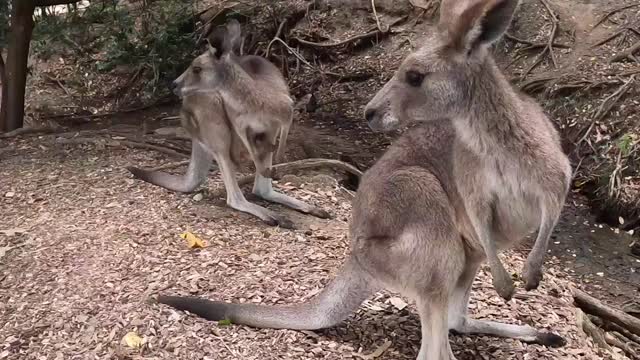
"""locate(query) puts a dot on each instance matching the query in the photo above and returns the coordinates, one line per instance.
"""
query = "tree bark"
(3, 93)
(19, 39)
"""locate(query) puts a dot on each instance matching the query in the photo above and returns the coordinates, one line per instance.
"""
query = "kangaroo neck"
(492, 123)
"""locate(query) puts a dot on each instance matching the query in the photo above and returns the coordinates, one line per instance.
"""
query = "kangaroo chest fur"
(501, 187)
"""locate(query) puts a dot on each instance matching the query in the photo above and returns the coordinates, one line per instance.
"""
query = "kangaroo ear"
(469, 25)
(217, 40)
(234, 35)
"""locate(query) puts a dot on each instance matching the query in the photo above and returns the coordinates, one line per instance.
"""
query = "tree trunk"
(19, 39)
(3, 93)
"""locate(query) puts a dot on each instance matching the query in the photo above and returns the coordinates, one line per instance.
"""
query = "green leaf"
(225, 322)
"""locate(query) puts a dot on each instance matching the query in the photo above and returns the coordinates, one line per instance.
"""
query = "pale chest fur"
(502, 190)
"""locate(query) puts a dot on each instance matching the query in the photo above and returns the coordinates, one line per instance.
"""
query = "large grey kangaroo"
(231, 104)
(481, 168)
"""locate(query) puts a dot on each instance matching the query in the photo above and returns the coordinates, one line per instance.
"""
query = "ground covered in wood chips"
(83, 246)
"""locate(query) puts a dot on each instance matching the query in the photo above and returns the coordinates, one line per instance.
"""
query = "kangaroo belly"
(514, 218)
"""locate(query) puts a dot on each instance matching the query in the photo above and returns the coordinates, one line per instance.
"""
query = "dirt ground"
(83, 245)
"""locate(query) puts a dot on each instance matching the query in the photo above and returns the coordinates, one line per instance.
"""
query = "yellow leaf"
(192, 240)
(132, 340)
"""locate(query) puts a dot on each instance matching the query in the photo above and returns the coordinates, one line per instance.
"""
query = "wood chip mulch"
(83, 246)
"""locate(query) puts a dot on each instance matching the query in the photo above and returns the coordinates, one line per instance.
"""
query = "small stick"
(375, 15)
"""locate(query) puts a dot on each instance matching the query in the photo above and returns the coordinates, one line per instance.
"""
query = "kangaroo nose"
(369, 114)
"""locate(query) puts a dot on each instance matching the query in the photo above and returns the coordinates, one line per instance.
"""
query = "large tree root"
(595, 307)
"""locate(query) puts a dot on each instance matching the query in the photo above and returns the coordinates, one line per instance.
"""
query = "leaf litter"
(52, 303)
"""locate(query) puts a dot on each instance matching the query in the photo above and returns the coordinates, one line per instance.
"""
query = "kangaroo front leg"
(433, 319)
(263, 188)
(532, 272)
(502, 281)
(236, 200)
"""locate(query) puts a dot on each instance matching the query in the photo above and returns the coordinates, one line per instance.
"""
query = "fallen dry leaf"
(379, 351)
(132, 340)
(192, 240)
(398, 303)
(422, 4)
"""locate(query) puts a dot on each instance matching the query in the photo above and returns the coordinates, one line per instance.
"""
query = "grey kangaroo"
(231, 104)
(480, 169)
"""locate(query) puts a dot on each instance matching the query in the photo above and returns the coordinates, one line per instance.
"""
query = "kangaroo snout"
(173, 86)
(379, 121)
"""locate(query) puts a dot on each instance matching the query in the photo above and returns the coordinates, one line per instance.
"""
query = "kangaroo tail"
(338, 300)
(196, 173)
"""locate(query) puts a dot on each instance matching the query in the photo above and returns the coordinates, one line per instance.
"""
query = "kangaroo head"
(215, 68)
(436, 80)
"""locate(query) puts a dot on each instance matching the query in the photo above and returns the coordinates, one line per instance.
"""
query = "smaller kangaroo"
(481, 168)
(231, 104)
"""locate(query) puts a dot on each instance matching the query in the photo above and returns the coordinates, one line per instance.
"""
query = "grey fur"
(480, 169)
(231, 104)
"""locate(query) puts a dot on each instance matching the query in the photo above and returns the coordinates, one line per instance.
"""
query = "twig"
(548, 49)
(366, 35)
(606, 106)
(279, 170)
(616, 34)
(627, 54)
(339, 43)
(375, 15)
(533, 45)
(612, 12)
(278, 32)
(59, 83)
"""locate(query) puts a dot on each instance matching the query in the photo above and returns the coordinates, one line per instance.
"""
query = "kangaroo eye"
(197, 69)
(414, 78)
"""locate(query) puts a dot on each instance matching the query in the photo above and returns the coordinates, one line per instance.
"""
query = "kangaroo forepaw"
(532, 276)
(281, 221)
(322, 214)
(550, 339)
(504, 286)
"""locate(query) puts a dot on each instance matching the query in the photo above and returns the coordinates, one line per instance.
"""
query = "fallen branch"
(279, 170)
(29, 130)
(129, 143)
(592, 330)
(612, 12)
(619, 341)
(595, 307)
(627, 54)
